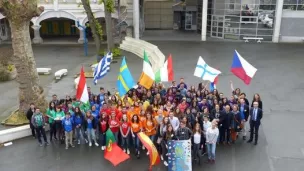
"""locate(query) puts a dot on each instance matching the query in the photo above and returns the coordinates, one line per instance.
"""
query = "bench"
(60, 73)
(76, 81)
(44, 71)
(253, 38)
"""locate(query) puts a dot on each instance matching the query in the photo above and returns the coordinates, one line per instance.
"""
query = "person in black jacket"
(29, 115)
(198, 142)
(215, 113)
(168, 136)
(225, 121)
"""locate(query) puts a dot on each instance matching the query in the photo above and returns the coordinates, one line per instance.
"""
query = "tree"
(94, 25)
(109, 8)
(19, 13)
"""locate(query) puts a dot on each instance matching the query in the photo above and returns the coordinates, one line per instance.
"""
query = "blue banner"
(179, 155)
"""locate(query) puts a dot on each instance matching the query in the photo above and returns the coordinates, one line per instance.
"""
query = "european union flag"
(125, 80)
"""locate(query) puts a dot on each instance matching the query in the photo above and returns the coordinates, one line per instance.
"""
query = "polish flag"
(82, 91)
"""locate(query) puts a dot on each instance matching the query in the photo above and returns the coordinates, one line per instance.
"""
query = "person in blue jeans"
(211, 139)
(67, 124)
(79, 125)
(125, 133)
(91, 125)
(135, 129)
(39, 124)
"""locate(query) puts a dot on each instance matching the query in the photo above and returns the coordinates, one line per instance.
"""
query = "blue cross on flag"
(204, 71)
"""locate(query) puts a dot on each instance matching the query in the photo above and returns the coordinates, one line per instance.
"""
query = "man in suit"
(225, 125)
(256, 114)
(244, 110)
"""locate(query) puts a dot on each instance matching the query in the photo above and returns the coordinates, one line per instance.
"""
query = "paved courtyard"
(278, 80)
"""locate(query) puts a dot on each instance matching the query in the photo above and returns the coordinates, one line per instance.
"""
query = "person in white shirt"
(211, 139)
(173, 121)
(198, 142)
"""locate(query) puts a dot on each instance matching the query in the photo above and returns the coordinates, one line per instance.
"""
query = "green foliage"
(4, 75)
(116, 52)
(102, 52)
(109, 5)
(10, 67)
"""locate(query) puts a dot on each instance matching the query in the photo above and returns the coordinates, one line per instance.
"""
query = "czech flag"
(214, 83)
(242, 69)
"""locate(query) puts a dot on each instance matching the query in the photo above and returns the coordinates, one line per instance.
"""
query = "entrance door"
(188, 20)
(217, 29)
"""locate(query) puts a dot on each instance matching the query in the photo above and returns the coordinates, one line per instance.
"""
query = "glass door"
(217, 26)
(188, 20)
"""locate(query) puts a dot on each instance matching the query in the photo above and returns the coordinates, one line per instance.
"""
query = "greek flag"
(103, 67)
(204, 71)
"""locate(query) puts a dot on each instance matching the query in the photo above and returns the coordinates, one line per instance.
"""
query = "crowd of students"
(178, 112)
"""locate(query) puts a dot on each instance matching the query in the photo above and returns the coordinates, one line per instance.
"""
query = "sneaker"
(204, 153)
(78, 142)
(208, 161)
(165, 163)
(72, 145)
(103, 147)
(124, 150)
(143, 147)
(40, 144)
(47, 144)
(55, 138)
(90, 144)
(147, 153)
(96, 144)
(212, 161)
(128, 151)
(86, 141)
(161, 157)
(66, 147)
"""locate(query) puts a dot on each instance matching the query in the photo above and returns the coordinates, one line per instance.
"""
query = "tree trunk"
(97, 37)
(29, 89)
(108, 19)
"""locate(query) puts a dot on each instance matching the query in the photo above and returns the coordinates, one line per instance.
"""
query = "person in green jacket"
(59, 115)
(51, 115)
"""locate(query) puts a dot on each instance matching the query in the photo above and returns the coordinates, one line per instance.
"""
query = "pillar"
(277, 22)
(204, 20)
(136, 18)
(37, 39)
(81, 36)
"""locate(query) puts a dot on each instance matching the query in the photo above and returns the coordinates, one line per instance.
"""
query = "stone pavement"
(278, 80)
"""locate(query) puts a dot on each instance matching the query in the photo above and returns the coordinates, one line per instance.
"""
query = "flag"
(165, 73)
(82, 91)
(125, 80)
(153, 154)
(242, 69)
(113, 152)
(213, 84)
(179, 155)
(147, 76)
(204, 71)
(103, 67)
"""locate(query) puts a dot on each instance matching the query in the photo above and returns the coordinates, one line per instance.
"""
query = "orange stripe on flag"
(153, 154)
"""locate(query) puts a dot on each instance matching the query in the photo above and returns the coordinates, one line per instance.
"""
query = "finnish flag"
(204, 71)
(103, 67)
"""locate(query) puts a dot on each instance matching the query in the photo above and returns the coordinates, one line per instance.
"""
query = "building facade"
(272, 20)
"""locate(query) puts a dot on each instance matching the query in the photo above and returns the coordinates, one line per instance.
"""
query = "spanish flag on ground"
(113, 152)
(153, 154)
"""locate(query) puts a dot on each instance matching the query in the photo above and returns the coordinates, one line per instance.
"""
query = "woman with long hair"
(79, 125)
(59, 115)
(168, 136)
(150, 127)
(135, 129)
(257, 98)
(103, 127)
(198, 142)
(237, 122)
(125, 133)
(90, 125)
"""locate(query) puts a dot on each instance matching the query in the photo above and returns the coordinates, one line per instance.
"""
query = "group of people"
(179, 112)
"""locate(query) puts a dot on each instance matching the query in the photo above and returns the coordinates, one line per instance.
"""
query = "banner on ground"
(179, 155)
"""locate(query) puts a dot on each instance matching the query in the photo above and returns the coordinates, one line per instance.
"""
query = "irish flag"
(166, 73)
(147, 76)
(82, 91)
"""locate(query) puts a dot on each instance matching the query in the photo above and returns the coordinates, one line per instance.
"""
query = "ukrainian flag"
(125, 80)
